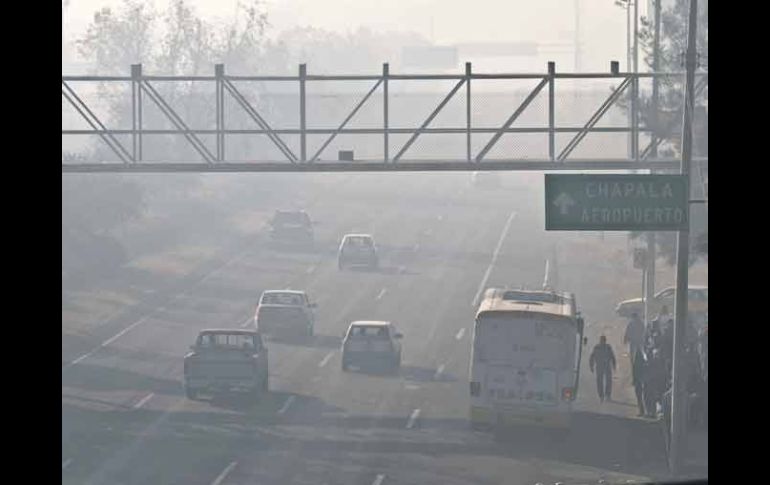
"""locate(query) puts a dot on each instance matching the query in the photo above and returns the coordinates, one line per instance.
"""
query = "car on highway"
(291, 227)
(370, 343)
(224, 360)
(486, 180)
(697, 299)
(357, 250)
(285, 313)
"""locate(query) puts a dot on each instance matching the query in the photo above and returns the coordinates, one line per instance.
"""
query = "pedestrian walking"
(602, 360)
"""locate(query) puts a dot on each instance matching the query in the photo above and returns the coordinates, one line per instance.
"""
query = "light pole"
(64, 5)
(633, 66)
(626, 4)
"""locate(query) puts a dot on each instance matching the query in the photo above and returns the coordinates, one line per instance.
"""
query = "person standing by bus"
(634, 336)
(639, 377)
(603, 360)
(654, 382)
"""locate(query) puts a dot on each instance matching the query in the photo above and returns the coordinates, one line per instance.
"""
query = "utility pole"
(636, 36)
(678, 394)
(628, 35)
(64, 5)
(651, 248)
(577, 35)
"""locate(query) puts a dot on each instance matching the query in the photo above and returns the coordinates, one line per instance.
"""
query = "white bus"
(525, 361)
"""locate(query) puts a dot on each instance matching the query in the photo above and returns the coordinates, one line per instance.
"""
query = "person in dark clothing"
(603, 360)
(638, 377)
(654, 382)
(652, 337)
(667, 345)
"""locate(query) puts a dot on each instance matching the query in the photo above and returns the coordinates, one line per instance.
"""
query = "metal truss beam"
(660, 166)
(177, 120)
(427, 121)
(594, 119)
(141, 86)
(93, 120)
(241, 100)
(345, 121)
(511, 119)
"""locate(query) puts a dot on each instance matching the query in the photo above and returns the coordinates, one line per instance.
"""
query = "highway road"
(125, 419)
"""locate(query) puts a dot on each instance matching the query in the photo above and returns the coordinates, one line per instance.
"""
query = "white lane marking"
(460, 334)
(378, 479)
(381, 293)
(106, 342)
(439, 371)
(247, 322)
(411, 387)
(146, 317)
(79, 359)
(286, 405)
(224, 473)
(416, 247)
(326, 359)
(310, 269)
(440, 217)
(412, 418)
(144, 400)
(66, 463)
(495, 254)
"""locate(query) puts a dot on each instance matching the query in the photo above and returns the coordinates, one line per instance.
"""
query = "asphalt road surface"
(125, 419)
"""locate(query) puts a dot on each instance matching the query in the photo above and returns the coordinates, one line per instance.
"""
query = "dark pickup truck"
(225, 360)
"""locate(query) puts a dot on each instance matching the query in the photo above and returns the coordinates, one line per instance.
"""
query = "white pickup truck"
(226, 360)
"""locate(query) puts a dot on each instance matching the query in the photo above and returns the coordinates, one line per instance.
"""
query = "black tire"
(191, 393)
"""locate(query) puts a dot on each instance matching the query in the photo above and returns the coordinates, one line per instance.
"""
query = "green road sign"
(616, 202)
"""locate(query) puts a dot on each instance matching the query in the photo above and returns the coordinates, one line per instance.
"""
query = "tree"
(666, 123)
(174, 41)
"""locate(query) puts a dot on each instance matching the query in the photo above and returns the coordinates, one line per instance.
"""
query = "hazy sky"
(602, 24)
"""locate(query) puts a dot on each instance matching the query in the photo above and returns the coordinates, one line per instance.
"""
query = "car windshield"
(369, 332)
(294, 168)
(294, 299)
(359, 242)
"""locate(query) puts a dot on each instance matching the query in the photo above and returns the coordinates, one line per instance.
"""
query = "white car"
(357, 250)
(282, 312)
(374, 343)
